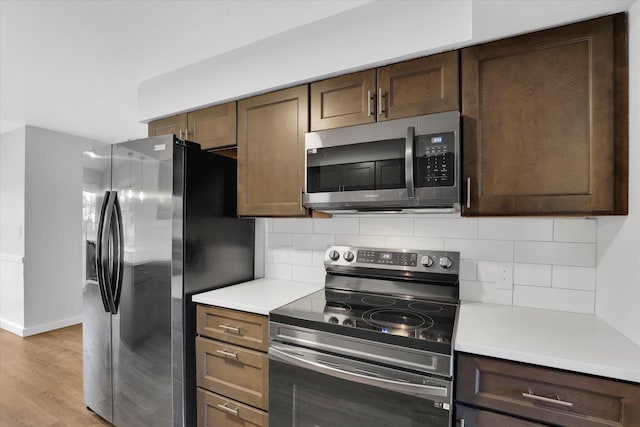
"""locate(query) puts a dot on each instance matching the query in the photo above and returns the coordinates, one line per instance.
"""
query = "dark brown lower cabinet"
(470, 417)
(489, 390)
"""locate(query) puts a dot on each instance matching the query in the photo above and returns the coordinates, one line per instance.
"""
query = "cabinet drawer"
(469, 417)
(545, 394)
(217, 411)
(245, 329)
(233, 371)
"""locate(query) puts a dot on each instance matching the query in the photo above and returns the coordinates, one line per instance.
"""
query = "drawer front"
(236, 327)
(545, 394)
(233, 371)
(469, 417)
(217, 411)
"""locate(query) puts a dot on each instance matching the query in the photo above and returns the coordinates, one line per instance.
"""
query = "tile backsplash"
(549, 262)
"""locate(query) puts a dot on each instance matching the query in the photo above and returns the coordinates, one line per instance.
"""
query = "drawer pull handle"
(557, 401)
(228, 328)
(225, 353)
(225, 407)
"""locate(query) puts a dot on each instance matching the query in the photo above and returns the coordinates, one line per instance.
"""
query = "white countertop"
(258, 296)
(575, 342)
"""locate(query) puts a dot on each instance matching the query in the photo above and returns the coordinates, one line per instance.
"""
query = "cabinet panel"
(233, 371)
(174, 125)
(217, 411)
(469, 417)
(343, 101)
(538, 122)
(271, 131)
(245, 329)
(213, 127)
(546, 395)
(421, 86)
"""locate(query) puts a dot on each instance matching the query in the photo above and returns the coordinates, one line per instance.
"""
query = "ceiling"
(74, 66)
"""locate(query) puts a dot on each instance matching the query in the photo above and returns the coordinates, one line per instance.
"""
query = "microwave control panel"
(435, 155)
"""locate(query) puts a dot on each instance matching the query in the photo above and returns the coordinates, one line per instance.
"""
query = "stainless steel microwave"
(410, 165)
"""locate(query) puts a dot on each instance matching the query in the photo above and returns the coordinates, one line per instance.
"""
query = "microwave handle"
(408, 161)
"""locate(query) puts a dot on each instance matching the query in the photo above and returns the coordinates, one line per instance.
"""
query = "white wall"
(551, 262)
(53, 233)
(12, 183)
(618, 279)
(366, 36)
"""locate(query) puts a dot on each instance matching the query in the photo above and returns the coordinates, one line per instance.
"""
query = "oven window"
(303, 398)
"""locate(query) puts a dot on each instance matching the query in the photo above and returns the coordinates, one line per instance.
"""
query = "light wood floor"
(41, 380)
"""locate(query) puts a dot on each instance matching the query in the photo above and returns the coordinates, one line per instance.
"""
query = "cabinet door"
(174, 125)
(421, 86)
(271, 130)
(343, 101)
(544, 122)
(213, 127)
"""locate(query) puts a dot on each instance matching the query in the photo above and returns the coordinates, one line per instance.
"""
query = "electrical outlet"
(504, 278)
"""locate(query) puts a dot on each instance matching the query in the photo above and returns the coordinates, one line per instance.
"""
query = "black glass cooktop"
(408, 322)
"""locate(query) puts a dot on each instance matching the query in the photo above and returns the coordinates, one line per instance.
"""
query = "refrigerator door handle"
(107, 255)
(118, 254)
(101, 254)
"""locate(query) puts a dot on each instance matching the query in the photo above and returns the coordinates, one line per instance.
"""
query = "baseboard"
(38, 329)
(12, 327)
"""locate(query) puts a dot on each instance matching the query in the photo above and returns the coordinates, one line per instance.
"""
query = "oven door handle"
(361, 376)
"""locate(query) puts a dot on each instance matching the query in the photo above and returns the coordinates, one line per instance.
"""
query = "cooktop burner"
(395, 320)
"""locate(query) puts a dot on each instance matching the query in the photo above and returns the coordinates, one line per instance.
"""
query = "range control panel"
(392, 259)
(387, 258)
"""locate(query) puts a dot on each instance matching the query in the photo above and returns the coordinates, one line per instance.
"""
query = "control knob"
(334, 255)
(426, 261)
(348, 256)
(445, 262)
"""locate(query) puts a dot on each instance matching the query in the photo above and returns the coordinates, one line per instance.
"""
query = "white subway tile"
(532, 274)
(292, 225)
(336, 225)
(314, 242)
(515, 229)
(467, 269)
(280, 256)
(318, 258)
(484, 292)
(425, 243)
(487, 272)
(386, 226)
(277, 240)
(278, 271)
(359, 240)
(269, 225)
(575, 230)
(576, 254)
(456, 228)
(485, 250)
(554, 299)
(307, 274)
(581, 278)
(301, 257)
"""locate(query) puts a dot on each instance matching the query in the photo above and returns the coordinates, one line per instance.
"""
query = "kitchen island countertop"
(258, 296)
(571, 341)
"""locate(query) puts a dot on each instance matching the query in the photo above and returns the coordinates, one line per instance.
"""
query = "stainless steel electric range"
(374, 348)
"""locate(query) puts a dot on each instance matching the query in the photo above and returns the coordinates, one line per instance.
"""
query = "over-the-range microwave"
(408, 165)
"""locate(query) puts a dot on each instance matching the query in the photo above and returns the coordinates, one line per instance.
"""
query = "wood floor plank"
(41, 380)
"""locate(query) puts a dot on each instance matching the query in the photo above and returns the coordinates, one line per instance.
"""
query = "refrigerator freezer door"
(96, 327)
(141, 328)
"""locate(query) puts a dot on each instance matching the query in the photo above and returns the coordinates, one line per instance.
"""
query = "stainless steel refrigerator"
(159, 219)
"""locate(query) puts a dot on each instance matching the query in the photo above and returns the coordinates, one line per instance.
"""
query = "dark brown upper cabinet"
(174, 125)
(271, 129)
(212, 127)
(411, 88)
(545, 127)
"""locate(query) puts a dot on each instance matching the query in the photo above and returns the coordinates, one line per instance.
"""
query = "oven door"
(312, 389)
